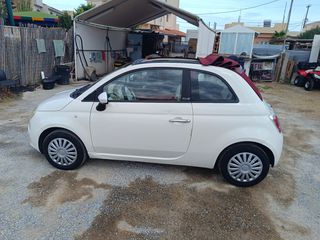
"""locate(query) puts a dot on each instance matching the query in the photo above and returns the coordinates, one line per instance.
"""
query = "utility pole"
(239, 18)
(289, 16)
(284, 16)
(10, 13)
(306, 18)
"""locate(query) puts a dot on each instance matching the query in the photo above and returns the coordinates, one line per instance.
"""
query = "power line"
(240, 9)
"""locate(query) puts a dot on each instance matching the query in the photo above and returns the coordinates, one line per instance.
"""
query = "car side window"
(154, 84)
(207, 87)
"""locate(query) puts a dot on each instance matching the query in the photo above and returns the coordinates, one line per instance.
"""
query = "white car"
(163, 111)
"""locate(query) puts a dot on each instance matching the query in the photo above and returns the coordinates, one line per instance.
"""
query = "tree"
(65, 20)
(279, 35)
(310, 33)
(3, 12)
(82, 8)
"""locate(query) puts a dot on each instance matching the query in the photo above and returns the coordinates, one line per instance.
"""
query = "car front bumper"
(33, 135)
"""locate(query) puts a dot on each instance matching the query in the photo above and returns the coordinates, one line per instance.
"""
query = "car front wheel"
(244, 165)
(64, 150)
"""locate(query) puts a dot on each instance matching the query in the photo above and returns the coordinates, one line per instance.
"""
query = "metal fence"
(19, 56)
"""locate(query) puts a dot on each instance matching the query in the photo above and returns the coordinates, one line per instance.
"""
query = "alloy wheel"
(245, 167)
(62, 151)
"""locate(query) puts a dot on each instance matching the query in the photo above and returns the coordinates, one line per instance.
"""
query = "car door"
(216, 113)
(146, 116)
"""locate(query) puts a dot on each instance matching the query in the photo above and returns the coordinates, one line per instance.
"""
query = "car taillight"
(276, 122)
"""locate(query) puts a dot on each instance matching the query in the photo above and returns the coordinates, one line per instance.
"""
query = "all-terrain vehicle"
(304, 72)
(313, 79)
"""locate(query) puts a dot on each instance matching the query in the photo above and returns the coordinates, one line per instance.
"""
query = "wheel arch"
(266, 149)
(52, 129)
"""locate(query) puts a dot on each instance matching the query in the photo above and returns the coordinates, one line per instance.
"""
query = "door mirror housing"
(103, 98)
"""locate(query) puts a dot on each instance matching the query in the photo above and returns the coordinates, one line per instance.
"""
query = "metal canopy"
(131, 13)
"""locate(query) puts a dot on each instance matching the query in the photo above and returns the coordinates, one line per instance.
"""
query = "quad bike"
(302, 77)
(304, 73)
(313, 80)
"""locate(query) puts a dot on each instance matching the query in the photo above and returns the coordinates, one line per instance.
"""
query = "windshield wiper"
(76, 93)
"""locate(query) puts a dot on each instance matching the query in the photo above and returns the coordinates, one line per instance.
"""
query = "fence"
(19, 56)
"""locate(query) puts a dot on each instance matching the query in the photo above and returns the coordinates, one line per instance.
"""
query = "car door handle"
(179, 120)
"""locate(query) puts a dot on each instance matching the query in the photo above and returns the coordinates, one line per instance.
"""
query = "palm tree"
(279, 35)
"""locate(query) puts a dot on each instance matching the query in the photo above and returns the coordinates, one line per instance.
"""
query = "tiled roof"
(172, 32)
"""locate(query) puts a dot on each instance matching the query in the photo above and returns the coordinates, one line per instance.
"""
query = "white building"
(39, 6)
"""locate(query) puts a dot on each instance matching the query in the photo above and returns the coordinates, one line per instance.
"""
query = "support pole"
(306, 17)
(10, 12)
(289, 16)
(284, 16)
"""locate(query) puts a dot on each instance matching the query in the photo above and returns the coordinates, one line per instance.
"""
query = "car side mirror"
(103, 101)
(103, 98)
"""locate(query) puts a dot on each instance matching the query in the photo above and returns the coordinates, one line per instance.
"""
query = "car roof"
(166, 60)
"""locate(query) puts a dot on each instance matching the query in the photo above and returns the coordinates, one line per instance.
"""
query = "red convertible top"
(220, 61)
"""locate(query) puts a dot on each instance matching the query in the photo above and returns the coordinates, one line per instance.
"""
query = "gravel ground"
(121, 200)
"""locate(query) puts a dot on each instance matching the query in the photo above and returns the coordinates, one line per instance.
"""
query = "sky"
(251, 17)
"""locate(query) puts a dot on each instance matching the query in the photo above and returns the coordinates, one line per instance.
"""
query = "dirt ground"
(121, 200)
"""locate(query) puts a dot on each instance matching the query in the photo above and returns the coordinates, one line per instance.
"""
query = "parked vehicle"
(163, 111)
(313, 80)
(302, 77)
(304, 73)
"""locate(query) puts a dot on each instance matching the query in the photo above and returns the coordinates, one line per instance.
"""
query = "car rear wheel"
(64, 150)
(244, 165)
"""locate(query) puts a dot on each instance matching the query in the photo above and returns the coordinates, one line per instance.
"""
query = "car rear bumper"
(277, 148)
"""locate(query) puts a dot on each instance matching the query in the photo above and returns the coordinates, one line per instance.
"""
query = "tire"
(308, 86)
(64, 150)
(297, 81)
(232, 166)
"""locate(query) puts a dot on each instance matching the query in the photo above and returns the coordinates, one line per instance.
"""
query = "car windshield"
(76, 93)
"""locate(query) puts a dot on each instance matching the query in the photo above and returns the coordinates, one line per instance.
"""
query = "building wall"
(97, 2)
(169, 21)
(311, 26)
(263, 38)
(265, 33)
(39, 6)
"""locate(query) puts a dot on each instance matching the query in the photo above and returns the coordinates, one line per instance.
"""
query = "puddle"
(60, 187)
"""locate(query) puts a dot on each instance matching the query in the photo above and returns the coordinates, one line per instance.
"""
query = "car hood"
(56, 102)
